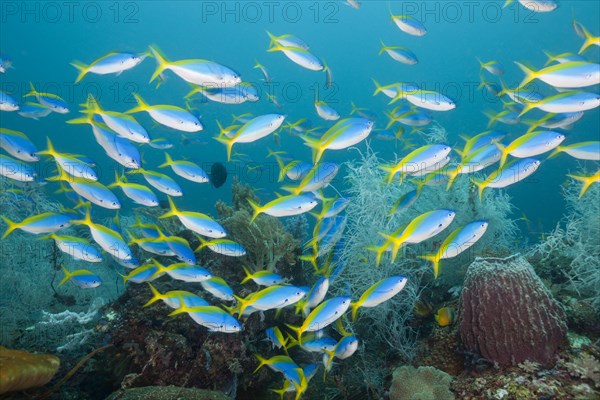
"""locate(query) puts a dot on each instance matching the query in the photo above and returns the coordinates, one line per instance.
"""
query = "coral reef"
(387, 329)
(269, 244)
(166, 393)
(20, 370)
(584, 366)
(155, 350)
(423, 383)
(29, 291)
(574, 250)
(507, 315)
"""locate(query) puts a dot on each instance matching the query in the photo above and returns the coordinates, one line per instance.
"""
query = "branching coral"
(268, 243)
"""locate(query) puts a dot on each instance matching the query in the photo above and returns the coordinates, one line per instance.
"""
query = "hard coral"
(21, 370)
(423, 383)
(508, 316)
(266, 240)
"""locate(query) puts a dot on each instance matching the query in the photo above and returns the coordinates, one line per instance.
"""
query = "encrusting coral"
(21, 370)
(508, 315)
(423, 383)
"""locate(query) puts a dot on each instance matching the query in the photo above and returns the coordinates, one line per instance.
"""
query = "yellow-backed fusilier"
(196, 71)
(237, 94)
(159, 181)
(111, 241)
(580, 151)
(112, 63)
(218, 288)
(531, 144)
(536, 5)
(587, 181)
(410, 25)
(140, 194)
(345, 133)
(211, 317)
(511, 173)
(123, 124)
(18, 145)
(326, 112)
(182, 272)
(95, 192)
(82, 278)
(118, 148)
(458, 241)
(582, 32)
(47, 222)
(422, 158)
(30, 110)
(296, 50)
(314, 297)
(288, 40)
(323, 315)
(200, 223)
(175, 298)
(428, 99)
(70, 163)
(562, 58)
(49, 100)
(400, 54)
(76, 247)
(302, 57)
(423, 227)
(7, 103)
(225, 247)
(574, 74)
(565, 102)
(141, 274)
(272, 297)
(262, 277)
(16, 170)
(186, 169)
(254, 129)
(493, 67)
(392, 89)
(379, 292)
(285, 206)
(170, 116)
(317, 178)
(474, 161)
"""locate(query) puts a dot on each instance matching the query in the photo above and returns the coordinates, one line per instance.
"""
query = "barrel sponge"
(507, 315)
(20, 370)
(423, 383)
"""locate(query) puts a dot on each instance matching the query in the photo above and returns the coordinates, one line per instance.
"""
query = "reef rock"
(507, 314)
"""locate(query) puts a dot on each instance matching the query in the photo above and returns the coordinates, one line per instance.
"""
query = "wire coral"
(268, 243)
(423, 383)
